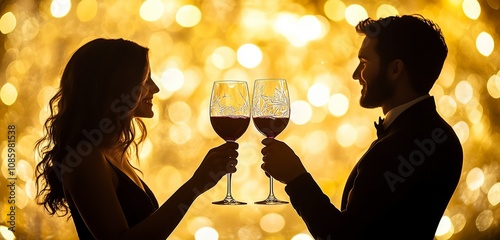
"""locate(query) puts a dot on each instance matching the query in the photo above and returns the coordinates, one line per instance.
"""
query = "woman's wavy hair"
(93, 109)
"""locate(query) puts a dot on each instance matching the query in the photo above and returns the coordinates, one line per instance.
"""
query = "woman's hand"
(218, 162)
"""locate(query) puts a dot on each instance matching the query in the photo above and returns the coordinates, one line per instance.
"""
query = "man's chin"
(369, 104)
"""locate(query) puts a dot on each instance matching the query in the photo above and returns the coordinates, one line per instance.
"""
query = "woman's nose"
(154, 88)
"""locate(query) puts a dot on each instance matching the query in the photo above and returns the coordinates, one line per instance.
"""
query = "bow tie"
(379, 126)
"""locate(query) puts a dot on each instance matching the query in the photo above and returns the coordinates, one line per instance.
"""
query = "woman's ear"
(395, 69)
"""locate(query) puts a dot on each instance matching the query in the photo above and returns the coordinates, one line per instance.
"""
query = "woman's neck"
(116, 154)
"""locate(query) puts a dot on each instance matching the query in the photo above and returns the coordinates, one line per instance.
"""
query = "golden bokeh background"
(312, 44)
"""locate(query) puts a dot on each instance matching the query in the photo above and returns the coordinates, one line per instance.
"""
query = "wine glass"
(270, 114)
(230, 117)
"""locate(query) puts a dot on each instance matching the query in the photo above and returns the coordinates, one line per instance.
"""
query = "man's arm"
(315, 208)
(325, 221)
(321, 217)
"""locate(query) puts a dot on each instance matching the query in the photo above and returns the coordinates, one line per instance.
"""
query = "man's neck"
(398, 100)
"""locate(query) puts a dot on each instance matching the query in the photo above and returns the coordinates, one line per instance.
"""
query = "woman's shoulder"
(77, 168)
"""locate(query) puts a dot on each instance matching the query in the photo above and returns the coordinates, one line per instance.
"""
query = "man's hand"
(280, 161)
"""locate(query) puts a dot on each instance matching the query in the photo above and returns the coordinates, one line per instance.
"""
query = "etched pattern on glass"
(230, 104)
(271, 103)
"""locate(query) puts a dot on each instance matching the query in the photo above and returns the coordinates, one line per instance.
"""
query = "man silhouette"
(401, 186)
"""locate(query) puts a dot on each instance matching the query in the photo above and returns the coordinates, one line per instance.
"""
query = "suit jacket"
(399, 189)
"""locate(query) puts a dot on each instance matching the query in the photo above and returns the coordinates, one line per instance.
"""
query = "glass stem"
(271, 183)
(228, 193)
(271, 188)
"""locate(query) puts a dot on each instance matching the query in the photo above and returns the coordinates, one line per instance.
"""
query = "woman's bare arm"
(91, 188)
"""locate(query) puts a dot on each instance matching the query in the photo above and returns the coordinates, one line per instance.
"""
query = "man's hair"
(413, 39)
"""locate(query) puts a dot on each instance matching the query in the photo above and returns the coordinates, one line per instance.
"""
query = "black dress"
(135, 203)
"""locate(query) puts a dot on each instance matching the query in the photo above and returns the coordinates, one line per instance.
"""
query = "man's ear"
(395, 69)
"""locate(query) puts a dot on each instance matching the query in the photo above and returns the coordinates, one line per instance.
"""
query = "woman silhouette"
(85, 171)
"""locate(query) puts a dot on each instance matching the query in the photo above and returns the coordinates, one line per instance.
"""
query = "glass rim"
(237, 81)
(268, 79)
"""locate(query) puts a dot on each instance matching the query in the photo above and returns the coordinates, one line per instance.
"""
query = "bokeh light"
(447, 106)
(355, 13)
(223, 57)
(172, 79)
(196, 223)
(334, 10)
(249, 232)
(179, 112)
(316, 141)
(485, 44)
(462, 130)
(6, 233)
(86, 10)
(272, 222)
(310, 28)
(463, 92)
(8, 94)
(284, 24)
(318, 94)
(151, 10)
(312, 44)
(7, 23)
(386, 10)
(445, 226)
(300, 112)
(188, 16)
(59, 8)
(458, 220)
(471, 8)
(302, 236)
(475, 179)
(346, 135)
(493, 86)
(494, 194)
(484, 220)
(206, 233)
(338, 104)
(249, 55)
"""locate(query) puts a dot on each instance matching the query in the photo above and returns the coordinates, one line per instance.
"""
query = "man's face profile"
(371, 75)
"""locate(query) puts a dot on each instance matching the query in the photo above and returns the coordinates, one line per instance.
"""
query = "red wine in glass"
(270, 126)
(230, 128)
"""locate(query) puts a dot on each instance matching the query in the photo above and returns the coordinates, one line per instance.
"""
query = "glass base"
(229, 201)
(271, 201)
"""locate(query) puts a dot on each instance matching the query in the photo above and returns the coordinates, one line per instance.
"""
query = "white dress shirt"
(395, 112)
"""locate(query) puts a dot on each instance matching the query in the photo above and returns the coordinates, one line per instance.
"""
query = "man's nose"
(356, 74)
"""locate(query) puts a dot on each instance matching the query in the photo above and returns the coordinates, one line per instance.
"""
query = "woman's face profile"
(148, 89)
